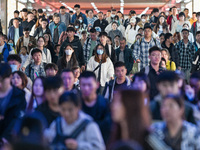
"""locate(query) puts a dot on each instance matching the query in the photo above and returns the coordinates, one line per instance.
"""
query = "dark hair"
(70, 29)
(25, 29)
(177, 98)
(5, 70)
(103, 33)
(55, 47)
(169, 76)
(70, 97)
(54, 82)
(35, 50)
(56, 15)
(198, 14)
(44, 19)
(40, 10)
(62, 7)
(104, 55)
(155, 10)
(93, 30)
(24, 47)
(16, 12)
(109, 38)
(162, 34)
(174, 7)
(67, 71)
(77, 6)
(16, 19)
(40, 38)
(30, 13)
(71, 11)
(119, 64)
(132, 12)
(114, 23)
(24, 10)
(51, 66)
(14, 57)
(163, 59)
(83, 32)
(181, 14)
(154, 48)
(23, 78)
(125, 145)
(113, 10)
(198, 32)
(167, 36)
(143, 15)
(194, 13)
(88, 74)
(186, 9)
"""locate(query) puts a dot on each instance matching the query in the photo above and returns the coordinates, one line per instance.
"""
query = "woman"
(112, 33)
(174, 130)
(46, 55)
(68, 60)
(12, 44)
(37, 25)
(19, 79)
(131, 32)
(37, 96)
(101, 65)
(49, 44)
(161, 26)
(132, 119)
(176, 37)
(170, 65)
(72, 118)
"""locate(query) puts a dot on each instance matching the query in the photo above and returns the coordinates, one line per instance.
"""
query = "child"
(57, 51)
(23, 54)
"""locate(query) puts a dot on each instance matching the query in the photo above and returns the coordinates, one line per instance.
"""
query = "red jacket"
(169, 20)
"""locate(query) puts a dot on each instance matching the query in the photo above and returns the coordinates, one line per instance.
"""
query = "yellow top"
(192, 21)
(172, 67)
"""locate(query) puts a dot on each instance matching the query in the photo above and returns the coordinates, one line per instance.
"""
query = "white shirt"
(1, 48)
(26, 41)
(16, 35)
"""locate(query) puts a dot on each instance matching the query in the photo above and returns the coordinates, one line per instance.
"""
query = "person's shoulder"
(191, 128)
(42, 107)
(18, 92)
(102, 102)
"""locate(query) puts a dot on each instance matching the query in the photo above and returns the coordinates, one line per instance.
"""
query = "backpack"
(1, 54)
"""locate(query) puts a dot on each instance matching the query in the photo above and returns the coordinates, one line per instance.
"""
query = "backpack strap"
(195, 26)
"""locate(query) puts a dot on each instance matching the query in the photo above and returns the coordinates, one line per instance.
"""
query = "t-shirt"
(93, 45)
(16, 35)
(120, 86)
(26, 41)
(63, 18)
(121, 56)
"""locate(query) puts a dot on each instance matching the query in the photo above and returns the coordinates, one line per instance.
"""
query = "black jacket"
(15, 110)
(112, 56)
(173, 53)
(29, 25)
(39, 32)
(196, 62)
(76, 44)
(102, 25)
(128, 59)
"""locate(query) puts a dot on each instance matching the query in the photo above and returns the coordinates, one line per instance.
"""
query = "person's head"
(68, 78)
(100, 15)
(62, 10)
(34, 11)
(93, 34)
(70, 105)
(51, 69)
(186, 11)
(122, 43)
(40, 12)
(194, 15)
(185, 33)
(84, 35)
(19, 79)
(77, 8)
(143, 18)
(80, 18)
(155, 55)
(88, 84)
(174, 10)
(5, 38)
(24, 12)
(14, 61)
(103, 37)
(26, 32)
(156, 12)
(70, 32)
(141, 81)
(47, 37)
(68, 50)
(53, 89)
(23, 50)
(57, 48)
(176, 37)
(38, 87)
(16, 14)
(36, 55)
(109, 40)
(71, 12)
(165, 54)
(167, 83)
(181, 16)
(195, 81)
(162, 37)
(40, 41)
(198, 36)
(113, 13)
(161, 19)
(147, 31)
(90, 13)
(169, 37)
(30, 16)
(100, 51)
(11, 43)
(138, 36)
(114, 25)
(16, 22)
(132, 13)
(172, 108)
(133, 21)
(198, 16)
(76, 70)
(141, 31)
(44, 23)
(163, 63)
(120, 70)
(56, 18)
(5, 77)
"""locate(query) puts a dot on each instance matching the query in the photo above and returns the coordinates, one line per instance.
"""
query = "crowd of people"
(94, 82)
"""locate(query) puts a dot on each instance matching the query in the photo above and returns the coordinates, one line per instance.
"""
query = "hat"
(132, 20)
(98, 29)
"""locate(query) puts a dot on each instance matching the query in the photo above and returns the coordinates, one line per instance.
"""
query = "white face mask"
(143, 20)
(112, 15)
(13, 67)
(68, 52)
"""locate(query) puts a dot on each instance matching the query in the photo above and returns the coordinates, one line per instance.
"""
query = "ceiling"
(103, 5)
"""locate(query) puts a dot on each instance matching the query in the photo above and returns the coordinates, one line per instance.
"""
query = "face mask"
(143, 20)
(161, 21)
(112, 15)
(190, 95)
(13, 67)
(11, 44)
(68, 52)
(81, 21)
(99, 51)
(76, 27)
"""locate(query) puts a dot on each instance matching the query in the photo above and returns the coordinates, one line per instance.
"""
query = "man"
(78, 12)
(25, 40)
(168, 44)
(36, 68)
(76, 44)
(100, 22)
(113, 14)
(53, 89)
(51, 69)
(41, 13)
(95, 105)
(56, 27)
(194, 18)
(186, 12)
(172, 19)
(186, 51)
(16, 15)
(29, 23)
(124, 54)
(141, 47)
(15, 31)
(68, 80)
(109, 50)
(90, 44)
(197, 41)
(12, 102)
(24, 14)
(167, 83)
(196, 25)
(154, 69)
(154, 19)
(64, 16)
(5, 49)
(120, 82)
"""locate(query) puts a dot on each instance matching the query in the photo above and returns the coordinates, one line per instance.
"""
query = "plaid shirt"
(31, 73)
(87, 47)
(186, 54)
(141, 50)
